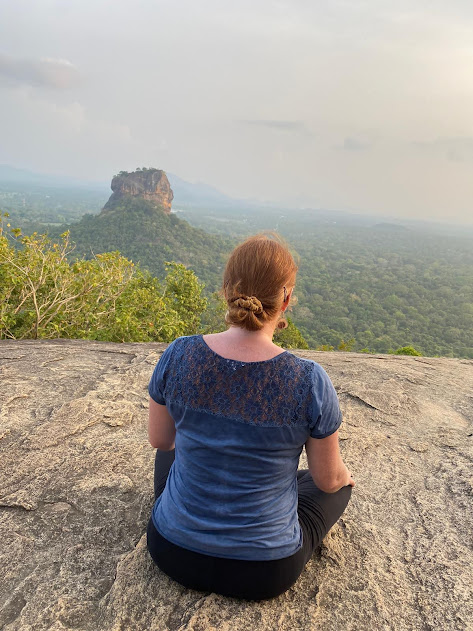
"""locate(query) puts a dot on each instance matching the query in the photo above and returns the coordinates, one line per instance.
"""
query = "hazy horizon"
(246, 204)
(355, 106)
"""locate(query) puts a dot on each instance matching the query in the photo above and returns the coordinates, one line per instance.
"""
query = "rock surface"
(76, 493)
(150, 184)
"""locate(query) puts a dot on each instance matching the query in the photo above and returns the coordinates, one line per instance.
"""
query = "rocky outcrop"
(76, 493)
(151, 185)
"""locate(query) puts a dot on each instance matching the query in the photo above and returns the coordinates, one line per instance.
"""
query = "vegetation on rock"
(408, 350)
(108, 298)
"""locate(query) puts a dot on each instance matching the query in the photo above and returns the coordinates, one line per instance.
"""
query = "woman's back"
(229, 415)
(240, 429)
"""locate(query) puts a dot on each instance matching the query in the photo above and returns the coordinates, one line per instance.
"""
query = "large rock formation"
(76, 493)
(149, 184)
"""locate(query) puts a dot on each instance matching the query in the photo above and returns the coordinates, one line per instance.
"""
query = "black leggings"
(250, 580)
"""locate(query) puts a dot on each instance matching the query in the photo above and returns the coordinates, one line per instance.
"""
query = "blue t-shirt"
(240, 428)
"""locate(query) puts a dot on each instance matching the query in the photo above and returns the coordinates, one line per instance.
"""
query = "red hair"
(257, 274)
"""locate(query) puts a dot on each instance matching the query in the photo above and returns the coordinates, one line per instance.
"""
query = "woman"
(229, 414)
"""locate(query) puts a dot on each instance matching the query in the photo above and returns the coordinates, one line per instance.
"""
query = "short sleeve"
(157, 382)
(325, 414)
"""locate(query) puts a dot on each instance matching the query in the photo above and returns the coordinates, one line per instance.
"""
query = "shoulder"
(323, 407)
(175, 348)
(306, 366)
(185, 339)
(182, 350)
(314, 375)
(181, 343)
(169, 364)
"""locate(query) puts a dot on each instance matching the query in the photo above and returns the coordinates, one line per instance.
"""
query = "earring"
(282, 324)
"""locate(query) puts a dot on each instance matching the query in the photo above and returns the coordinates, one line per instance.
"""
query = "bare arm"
(161, 427)
(326, 465)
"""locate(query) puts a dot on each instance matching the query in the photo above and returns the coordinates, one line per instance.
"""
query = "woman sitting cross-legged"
(229, 415)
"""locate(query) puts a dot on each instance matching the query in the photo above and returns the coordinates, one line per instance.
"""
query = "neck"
(265, 334)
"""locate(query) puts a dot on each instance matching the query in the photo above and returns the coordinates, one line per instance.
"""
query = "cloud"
(458, 149)
(58, 74)
(355, 144)
(279, 125)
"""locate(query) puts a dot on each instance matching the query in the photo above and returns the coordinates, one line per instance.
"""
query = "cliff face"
(150, 184)
(76, 490)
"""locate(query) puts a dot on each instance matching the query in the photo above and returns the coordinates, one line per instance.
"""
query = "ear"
(285, 303)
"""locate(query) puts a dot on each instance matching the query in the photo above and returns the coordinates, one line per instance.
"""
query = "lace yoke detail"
(275, 392)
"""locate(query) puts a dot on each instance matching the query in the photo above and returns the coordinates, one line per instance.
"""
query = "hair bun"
(250, 303)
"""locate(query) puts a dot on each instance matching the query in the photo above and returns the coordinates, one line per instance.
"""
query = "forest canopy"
(361, 286)
(380, 287)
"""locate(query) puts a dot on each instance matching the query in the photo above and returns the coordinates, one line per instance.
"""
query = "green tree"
(346, 346)
(184, 293)
(408, 350)
(36, 283)
(213, 318)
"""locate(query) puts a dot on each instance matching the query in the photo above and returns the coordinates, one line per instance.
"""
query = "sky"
(361, 105)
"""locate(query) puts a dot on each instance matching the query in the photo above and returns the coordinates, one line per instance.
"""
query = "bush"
(408, 350)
